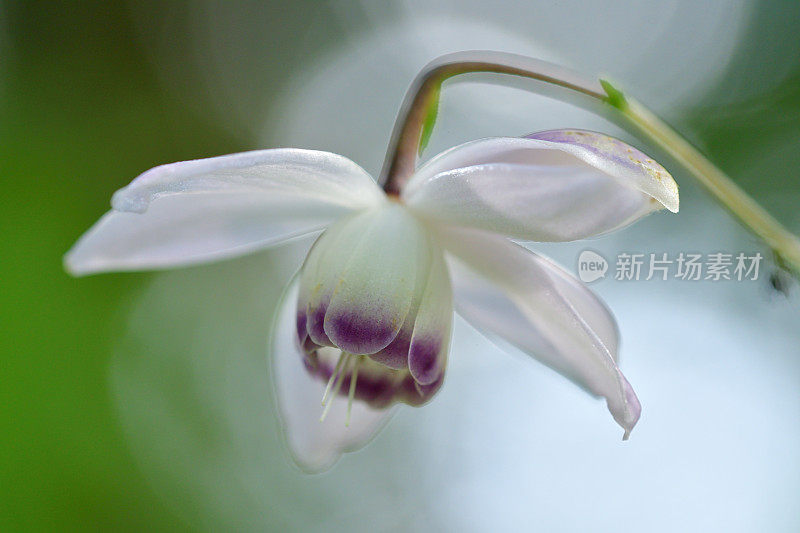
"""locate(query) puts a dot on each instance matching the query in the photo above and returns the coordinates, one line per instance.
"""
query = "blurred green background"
(85, 106)
(81, 113)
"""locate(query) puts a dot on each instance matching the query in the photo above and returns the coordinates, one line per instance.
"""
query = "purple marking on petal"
(378, 392)
(423, 359)
(310, 367)
(601, 145)
(376, 389)
(310, 346)
(359, 334)
(378, 386)
(396, 354)
(424, 393)
(315, 323)
(302, 332)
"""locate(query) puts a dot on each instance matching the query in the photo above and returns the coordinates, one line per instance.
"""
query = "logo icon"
(591, 266)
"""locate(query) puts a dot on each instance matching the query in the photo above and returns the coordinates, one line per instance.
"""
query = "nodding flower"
(366, 323)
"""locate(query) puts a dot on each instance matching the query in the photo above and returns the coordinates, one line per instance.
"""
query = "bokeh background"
(142, 401)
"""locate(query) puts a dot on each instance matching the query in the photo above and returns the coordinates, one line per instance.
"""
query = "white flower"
(367, 321)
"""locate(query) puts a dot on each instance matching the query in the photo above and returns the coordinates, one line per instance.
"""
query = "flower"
(366, 323)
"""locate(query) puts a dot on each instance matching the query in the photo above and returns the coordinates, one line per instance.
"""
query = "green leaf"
(430, 118)
(615, 96)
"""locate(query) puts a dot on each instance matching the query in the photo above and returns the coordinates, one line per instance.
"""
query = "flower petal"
(505, 289)
(210, 209)
(314, 445)
(430, 342)
(322, 270)
(552, 186)
(364, 277)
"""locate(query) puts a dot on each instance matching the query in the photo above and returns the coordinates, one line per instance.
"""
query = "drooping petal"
(430, 341)
(551, 186)
(377, 285)
(361, 278)
(508, 291)
(322, 270)
(314, 445)
(422, 344)
(209, 209)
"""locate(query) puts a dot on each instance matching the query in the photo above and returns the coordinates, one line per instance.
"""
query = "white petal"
(209, 209)
(555, 186)
(430, 341)
(315, 445)
(361, 278)
(323, 268)
(508, 291)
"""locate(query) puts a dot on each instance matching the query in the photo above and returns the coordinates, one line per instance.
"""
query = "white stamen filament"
(337, 369)
(344, 360)
(352, 392)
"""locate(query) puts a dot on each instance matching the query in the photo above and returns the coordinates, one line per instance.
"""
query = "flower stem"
(418, 113)
(784, 244)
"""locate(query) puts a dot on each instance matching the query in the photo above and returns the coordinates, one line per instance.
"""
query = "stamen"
(337, 385)
(352, 392)
(334, 374)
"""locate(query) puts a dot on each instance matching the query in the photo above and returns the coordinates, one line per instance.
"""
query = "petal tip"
(672, 199)
(424, 361)
(77, 266)
(633, 409)
(616, 157)
(670, 204)
(359, 333)
(123, 200)
(70, 266)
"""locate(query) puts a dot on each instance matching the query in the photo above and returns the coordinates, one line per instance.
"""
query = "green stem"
(417, 116)
(785, 245)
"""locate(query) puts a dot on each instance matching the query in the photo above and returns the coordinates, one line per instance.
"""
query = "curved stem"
(419, 107)
(422, 97)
